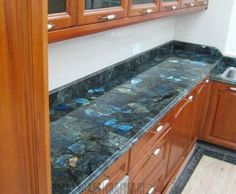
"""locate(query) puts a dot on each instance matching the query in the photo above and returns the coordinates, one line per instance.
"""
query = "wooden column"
(24, 114)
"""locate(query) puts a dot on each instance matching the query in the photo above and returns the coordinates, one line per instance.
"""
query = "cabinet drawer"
(110, 177)
(147, 142)
(147, 167)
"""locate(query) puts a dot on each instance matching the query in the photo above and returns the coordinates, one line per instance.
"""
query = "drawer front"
(144, 147)
(157, 160)
(110, 177)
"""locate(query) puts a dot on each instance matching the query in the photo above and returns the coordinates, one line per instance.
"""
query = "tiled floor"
(202, 149)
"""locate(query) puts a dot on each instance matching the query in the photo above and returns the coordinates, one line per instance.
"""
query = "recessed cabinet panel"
(143, 7)
(61, 14)
(169, 5)
(95, 11)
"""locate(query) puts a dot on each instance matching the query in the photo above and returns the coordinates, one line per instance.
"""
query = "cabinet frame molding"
(64, 19)
(92, 16)
(168, 6)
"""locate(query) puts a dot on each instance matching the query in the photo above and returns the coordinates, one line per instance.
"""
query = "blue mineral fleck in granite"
(110, 110)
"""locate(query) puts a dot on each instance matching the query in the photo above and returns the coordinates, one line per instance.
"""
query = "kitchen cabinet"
(149, 172)
(181, 133)
(188, 3)
(168, 5)
(202, 2)
(143, 7)
(91, 11)
(110, 177)
(221, 126)
(61, 14)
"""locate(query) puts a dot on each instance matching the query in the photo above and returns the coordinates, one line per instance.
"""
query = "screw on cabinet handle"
(151, 191)
(50, 26)
(147, 11)
(232, 89)
(108, 17)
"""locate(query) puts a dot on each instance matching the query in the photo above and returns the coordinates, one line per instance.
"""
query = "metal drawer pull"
(205, 3)
(159, 129)
(147, 11)
(151, 191)
(103, 184)
(50, 26)
(171, 7)
(174, 7)
(207, 81)
(157, 151)
(233, 89)
(109, 17)
(190, 98)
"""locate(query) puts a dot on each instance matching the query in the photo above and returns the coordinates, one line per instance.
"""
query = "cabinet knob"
(159, 129)
(50, 26)
(174, 7)
(103, 184)
(147, 11)
(108, 17)
(205, 3)
(151, 191)
(157, 151)
(171, 7)
(207, 81)
(189, 4)
(190, 98)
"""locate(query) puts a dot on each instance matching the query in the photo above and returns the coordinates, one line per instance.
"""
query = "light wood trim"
(98, 27)
(135, 10)
(92, 16)
(64, 19)
(24, 120)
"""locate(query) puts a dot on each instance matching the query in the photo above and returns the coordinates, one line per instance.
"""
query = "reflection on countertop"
(95, 120)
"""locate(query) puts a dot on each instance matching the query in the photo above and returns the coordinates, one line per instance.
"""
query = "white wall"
(75, 58)
(231, 40)
(208, 27)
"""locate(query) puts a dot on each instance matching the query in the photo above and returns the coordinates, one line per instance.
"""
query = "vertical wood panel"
(24, 122)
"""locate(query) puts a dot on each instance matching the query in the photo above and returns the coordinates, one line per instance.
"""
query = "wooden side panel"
(24, 122)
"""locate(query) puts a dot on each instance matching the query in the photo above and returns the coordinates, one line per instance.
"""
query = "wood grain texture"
(24, 120)
(212, 176)
(220, 127)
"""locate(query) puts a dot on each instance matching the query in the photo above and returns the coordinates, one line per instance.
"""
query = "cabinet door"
(168, 5)
(181, 132)
(221, 126)
(143, 7)
(61, 14)
(94, 11)
(202, 2)
(188, 3)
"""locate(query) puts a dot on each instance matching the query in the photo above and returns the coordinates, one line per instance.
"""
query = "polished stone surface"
(94, 121)
(202, 149)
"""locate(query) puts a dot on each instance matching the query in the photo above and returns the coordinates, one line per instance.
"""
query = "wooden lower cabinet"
(113, 175)
(147, 176)
(220, 127)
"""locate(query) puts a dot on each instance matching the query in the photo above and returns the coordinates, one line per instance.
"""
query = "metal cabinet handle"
(157, 151)
(189, 4)
(103, 184)
(232, 89)
(171, 7)
(188, 100)
(151, 191)
(108, 17)
(203, 3)
(207, 81)
(200, 90)
(147, 11)
(160, 128)
(50, 26)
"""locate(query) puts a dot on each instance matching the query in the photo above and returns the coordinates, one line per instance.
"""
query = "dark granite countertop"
(97, 119)
(223, 64)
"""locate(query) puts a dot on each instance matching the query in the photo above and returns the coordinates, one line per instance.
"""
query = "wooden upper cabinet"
(95, 11)
(202, 2)
(143, 7)
(168, 5)
(61, 14)
(188, 3)
(221, 126)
